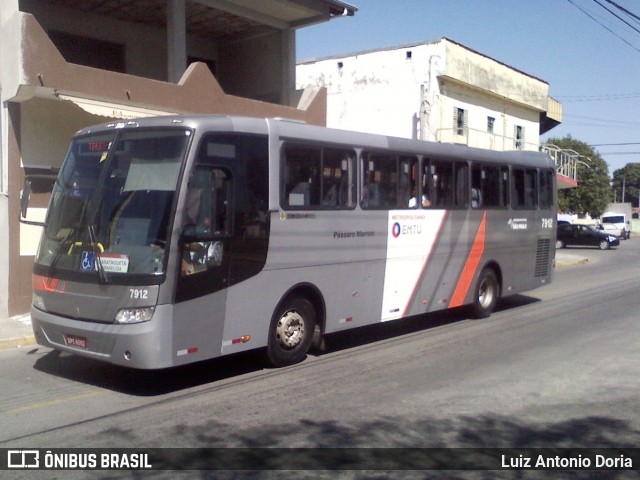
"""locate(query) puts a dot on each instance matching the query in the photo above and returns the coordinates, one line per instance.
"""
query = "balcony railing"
(566, 161)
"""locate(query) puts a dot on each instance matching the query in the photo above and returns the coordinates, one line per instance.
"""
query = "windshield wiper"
(102, 274)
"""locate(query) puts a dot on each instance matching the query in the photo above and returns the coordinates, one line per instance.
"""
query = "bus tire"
(291, 332)
(486, 294)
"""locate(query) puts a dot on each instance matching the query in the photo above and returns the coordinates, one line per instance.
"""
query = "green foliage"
(627, 179)
(593, 193)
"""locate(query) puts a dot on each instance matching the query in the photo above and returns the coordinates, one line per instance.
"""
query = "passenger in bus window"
(331, 197)
(299, 195)
(413, 201)
(371, 196)
(476, 198)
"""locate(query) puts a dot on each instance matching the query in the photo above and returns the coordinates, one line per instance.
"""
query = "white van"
(617, 223)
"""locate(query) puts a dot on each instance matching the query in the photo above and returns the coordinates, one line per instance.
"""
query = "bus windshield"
(110, 209)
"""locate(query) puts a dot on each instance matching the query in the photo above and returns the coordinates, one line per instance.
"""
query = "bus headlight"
(134, 315)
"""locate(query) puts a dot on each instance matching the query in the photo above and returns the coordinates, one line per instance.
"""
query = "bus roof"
(291, 129)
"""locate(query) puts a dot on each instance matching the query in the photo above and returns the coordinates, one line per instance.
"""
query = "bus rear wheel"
(291, 332)
(486, 294)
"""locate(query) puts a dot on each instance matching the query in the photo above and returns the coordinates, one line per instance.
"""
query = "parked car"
(584, 235)
(612, 229)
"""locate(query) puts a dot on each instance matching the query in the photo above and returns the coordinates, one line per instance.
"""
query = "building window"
(460, 120)
(519, 137)
(490, 124)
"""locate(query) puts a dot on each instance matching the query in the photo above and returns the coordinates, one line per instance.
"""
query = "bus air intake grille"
(543, 254)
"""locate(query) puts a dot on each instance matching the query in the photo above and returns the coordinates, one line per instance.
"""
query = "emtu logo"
(397, 230)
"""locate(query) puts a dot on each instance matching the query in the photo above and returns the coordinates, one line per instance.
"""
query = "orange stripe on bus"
(470, 266)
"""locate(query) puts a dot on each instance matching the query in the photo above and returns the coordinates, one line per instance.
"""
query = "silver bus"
(171, 240)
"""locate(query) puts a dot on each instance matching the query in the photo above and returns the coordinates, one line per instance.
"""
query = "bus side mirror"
(24, 198)
(39, 183)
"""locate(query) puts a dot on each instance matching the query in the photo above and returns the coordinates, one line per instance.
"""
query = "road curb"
(17, 342)
(569, 263)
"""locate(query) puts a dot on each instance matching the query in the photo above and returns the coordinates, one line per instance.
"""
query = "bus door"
(206, 236)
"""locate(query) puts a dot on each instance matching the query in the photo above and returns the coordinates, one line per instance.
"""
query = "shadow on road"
(160, 382)
(269, 449)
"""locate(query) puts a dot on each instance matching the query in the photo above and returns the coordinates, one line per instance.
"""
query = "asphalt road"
(558, 367)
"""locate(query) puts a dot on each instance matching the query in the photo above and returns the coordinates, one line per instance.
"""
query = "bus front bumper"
(145, 345)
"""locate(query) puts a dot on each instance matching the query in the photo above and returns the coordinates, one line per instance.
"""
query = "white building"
(439, 91)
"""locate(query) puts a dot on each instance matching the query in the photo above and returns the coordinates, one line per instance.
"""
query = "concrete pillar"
(288, 66)
(176, 39)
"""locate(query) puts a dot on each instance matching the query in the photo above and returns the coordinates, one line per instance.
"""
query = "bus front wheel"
(291, 332)
(486, 294)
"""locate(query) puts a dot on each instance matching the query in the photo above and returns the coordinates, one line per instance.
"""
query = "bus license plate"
(75, 341)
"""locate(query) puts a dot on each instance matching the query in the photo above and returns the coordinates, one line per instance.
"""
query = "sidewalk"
(16, 331)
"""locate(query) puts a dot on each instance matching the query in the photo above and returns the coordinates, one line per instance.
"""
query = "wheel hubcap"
(290, 329)
(485, 293)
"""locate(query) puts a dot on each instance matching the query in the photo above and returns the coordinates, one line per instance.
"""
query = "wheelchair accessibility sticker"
(87, 262)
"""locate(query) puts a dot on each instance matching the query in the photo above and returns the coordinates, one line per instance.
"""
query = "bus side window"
(477, 195)
(302, 171)
(318, 178)
(338, 178)
(409, 195)
(380, 181)
(428, 185)
(442, 175)
(524, 189)
(461, 180)
(489, 178)
(546, 188)
(207, 219)
(504, 186)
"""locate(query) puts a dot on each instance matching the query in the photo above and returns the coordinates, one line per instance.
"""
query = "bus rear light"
(47, 284)
(134, 315)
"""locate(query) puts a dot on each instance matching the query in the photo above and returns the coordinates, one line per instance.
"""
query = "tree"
(627, 180)
(593, 193)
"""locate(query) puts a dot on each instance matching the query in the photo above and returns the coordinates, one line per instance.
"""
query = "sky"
(589, 57)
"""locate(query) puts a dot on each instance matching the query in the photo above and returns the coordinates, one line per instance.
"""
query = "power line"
(597, 98)
(602, 25)
(605, 122)
(608, 154)
(616, 15)
(623, 9)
